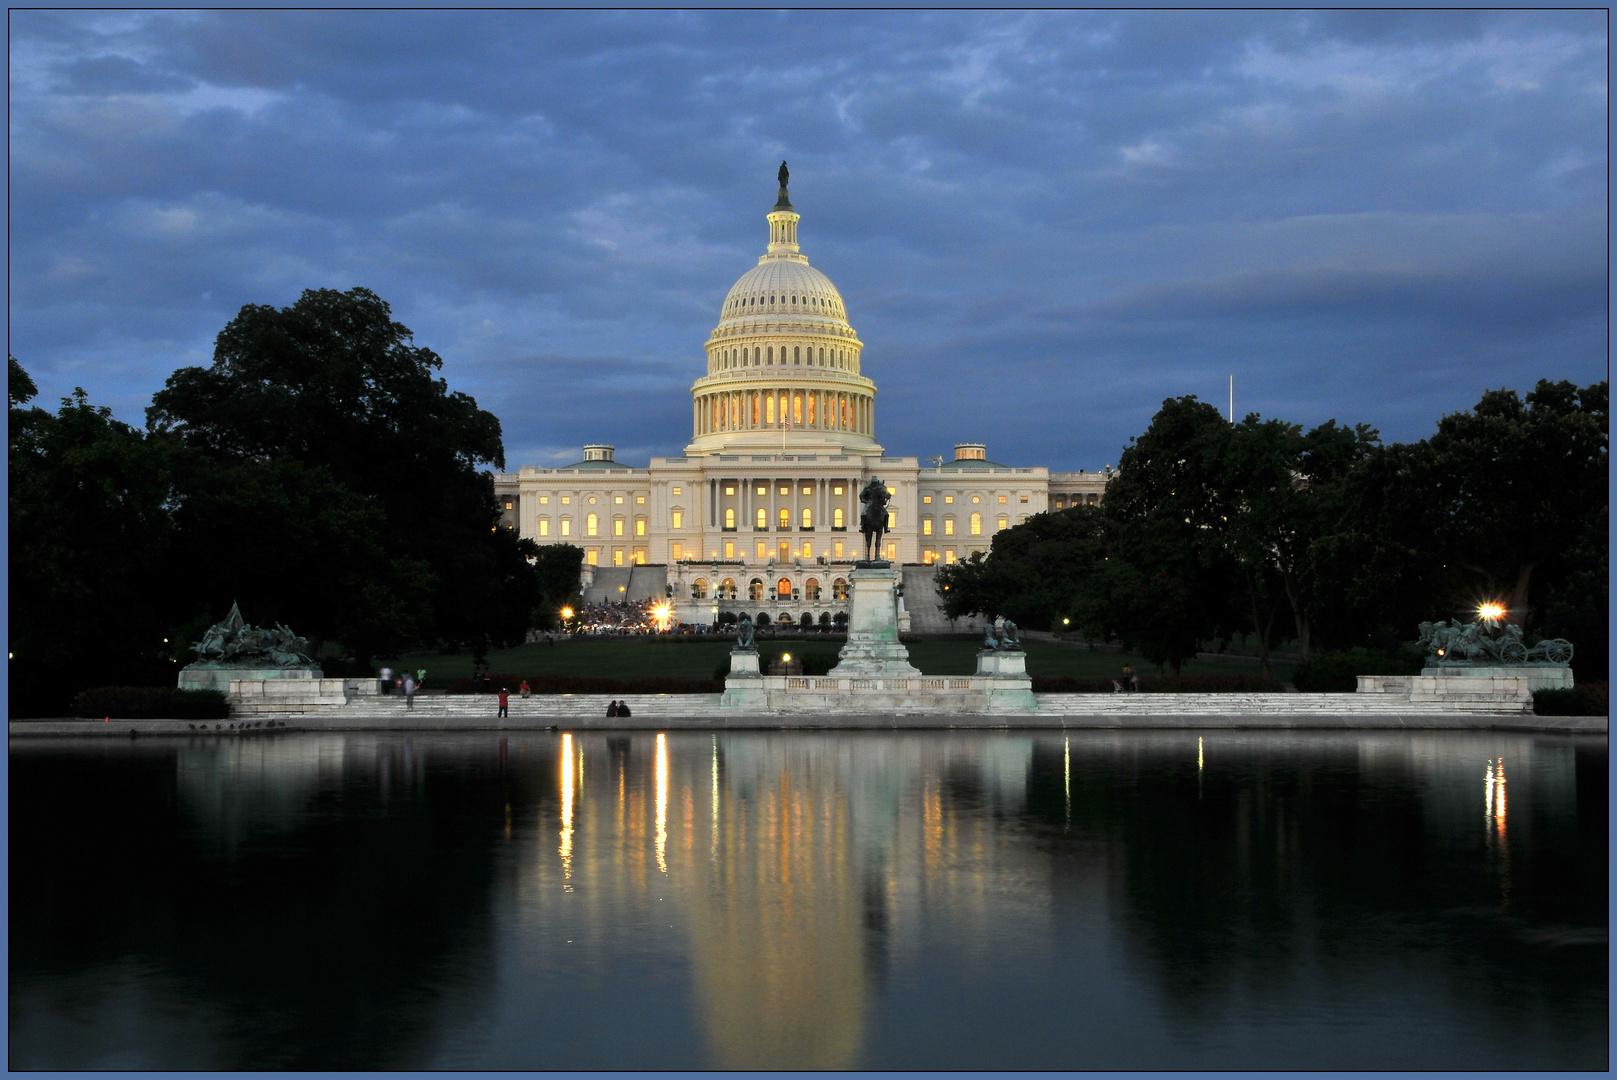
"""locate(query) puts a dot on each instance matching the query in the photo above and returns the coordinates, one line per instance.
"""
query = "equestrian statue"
(873, 520)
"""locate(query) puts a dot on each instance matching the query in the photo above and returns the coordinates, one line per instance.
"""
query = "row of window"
(739, 411)
(949, 499)
(782, 589)
(762, 518)
(975, 524)
(764, 356)
(592, 525)
(813, 303)
(784, 552)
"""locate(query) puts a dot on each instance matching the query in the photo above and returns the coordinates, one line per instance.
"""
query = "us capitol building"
(760, 515)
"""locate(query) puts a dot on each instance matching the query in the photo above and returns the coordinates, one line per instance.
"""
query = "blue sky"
(1042, 224)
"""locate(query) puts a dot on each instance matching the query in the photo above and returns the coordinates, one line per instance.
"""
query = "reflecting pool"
(815, 900)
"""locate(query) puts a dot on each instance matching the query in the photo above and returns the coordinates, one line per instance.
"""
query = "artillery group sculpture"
(1484, 642)
(233, 643)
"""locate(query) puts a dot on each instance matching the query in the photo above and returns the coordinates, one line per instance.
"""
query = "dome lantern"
(783, 220)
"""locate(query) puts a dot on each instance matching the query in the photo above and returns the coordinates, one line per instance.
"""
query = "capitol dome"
(783, 358)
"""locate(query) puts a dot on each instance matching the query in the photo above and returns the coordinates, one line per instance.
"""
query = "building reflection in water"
(788, 884)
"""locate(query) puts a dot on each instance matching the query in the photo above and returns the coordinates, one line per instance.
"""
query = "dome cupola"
(783, 358)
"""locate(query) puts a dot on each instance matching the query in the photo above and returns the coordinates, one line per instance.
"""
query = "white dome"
(783, 285)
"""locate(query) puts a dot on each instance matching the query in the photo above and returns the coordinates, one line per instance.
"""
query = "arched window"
(699, 589)
(762, 619)
(755, 589)
(592, 525)
(839, 589)
(727, 589)
(808, 518)
(783, 588)
(797, 409)
(836, 518)
(976, 524)
(825, 619)
(811, 590)
(763, 518)
(785, 518)
(771, 356)
(730, 518)
(797, 354)
(769, 410)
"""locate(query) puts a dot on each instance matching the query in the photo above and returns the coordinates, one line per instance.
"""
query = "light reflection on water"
(768, 900)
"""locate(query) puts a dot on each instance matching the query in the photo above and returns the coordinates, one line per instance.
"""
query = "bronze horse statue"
(873, 518)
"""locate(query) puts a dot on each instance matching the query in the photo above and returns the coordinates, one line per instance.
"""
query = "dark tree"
(332, 383)
(89, 531)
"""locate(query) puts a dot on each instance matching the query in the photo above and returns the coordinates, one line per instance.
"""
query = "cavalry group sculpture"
(234, 643)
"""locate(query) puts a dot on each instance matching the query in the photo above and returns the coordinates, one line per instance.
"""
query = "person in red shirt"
(505, 702)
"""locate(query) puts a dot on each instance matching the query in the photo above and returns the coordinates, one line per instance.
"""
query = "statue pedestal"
(1008, 687)
(1488, 687)
(1002, 664)
(208, 677)
(873, 647)
(744, 686)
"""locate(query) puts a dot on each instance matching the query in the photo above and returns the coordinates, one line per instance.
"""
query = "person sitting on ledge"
(623, 708)
(612, 709)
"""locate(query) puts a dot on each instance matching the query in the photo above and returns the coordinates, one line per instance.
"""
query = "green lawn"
(635, 657)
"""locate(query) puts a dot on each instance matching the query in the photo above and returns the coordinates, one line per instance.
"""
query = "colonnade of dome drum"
(781, 408)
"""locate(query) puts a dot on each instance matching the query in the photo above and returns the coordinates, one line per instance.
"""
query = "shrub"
(1339, 672)
(586, 684)
(151, 703)
(1161, 684)
(1588, 699)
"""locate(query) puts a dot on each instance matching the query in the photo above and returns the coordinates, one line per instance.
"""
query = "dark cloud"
(1043, 223)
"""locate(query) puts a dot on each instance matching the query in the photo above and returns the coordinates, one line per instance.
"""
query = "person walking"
(387, 680)
(505, 702)
(409, 691)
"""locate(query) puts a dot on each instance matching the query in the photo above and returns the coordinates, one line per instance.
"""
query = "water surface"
(929, 900)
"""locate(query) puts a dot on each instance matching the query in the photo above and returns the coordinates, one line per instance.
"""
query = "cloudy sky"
(1042, 224)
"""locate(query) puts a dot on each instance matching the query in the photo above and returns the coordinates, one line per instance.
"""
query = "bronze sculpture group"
(1484, 642)
(234, 643)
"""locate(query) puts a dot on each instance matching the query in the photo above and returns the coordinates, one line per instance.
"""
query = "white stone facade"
(761, 513)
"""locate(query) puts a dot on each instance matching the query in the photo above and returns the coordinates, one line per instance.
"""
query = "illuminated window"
(808, 518)
(640, 556)
(1003, 521)
(837, 490)
(976, 524)
(948, 555)
(761, 490)
(948, 498)
(808, 549)
(926, 498)
(567, 526)
(544, 500)
(807, 490)
(892, 491)
(785, 549)
(783, 588)
(730, 518)
(592, 500)
(678, 491)
(976, 499)
(755, 589)
(785, 518)
(892, 551)
(699, 588)
(839, 589)
(617, 556)
(763, 518)
(567, 500)
(838, 548)
(544, 526)
(640, 500)
(1023, 499)
(617, 527)
(763, 549)
(926, 526)
(508, 504)
(677, 553)
(728, 490)
(729, 549)
(1002, 498)
(836, 518)
(640, 526)
(784, 490)
(618, 499)
(591, 525)
(811, 590)
(948, 526)
(892, 520)
(592, 557)
(769, 409)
